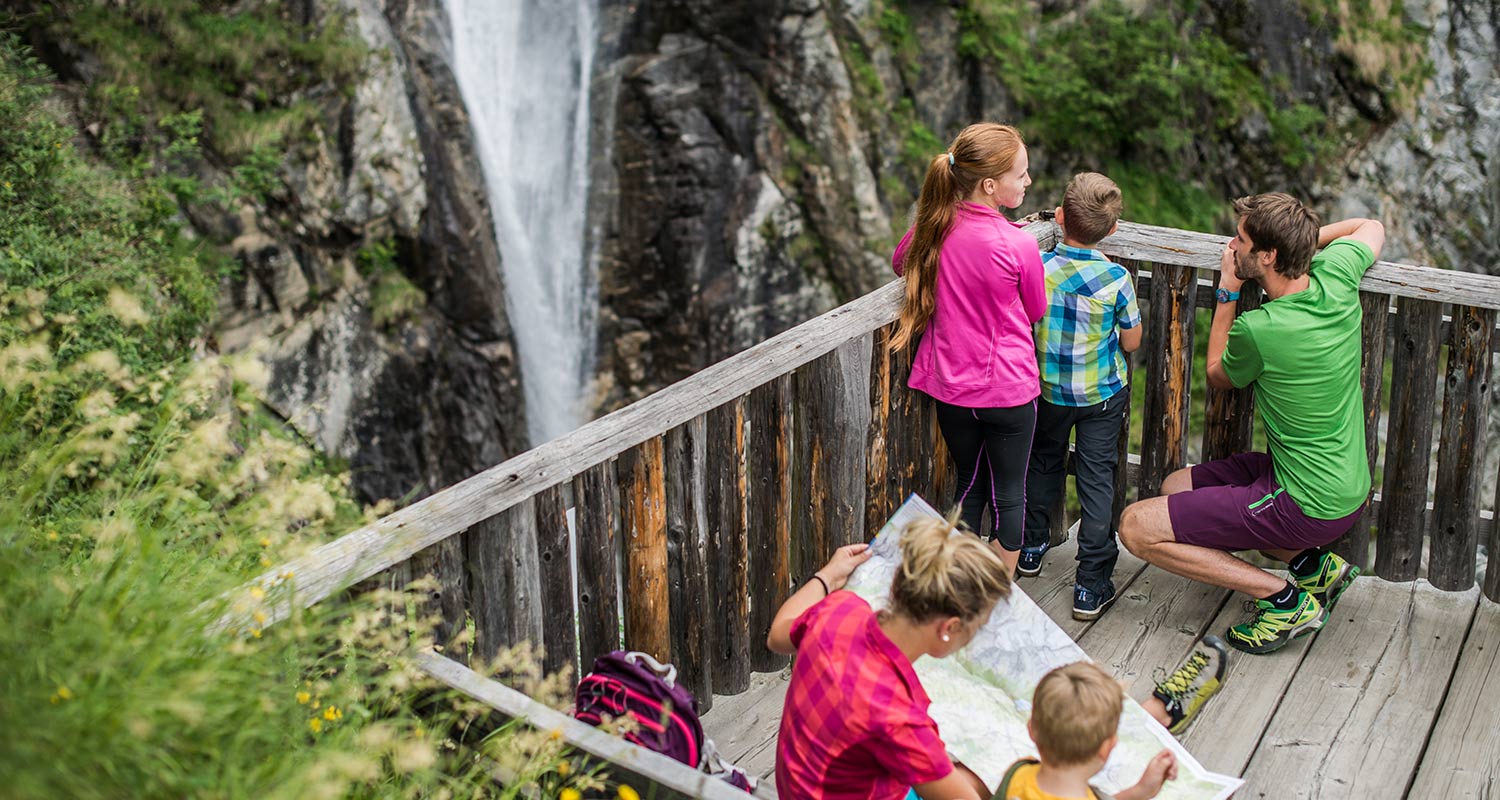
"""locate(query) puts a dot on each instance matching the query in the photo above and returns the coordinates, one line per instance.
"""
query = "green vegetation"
(393, 298)
(143, 482)
(1388, 50)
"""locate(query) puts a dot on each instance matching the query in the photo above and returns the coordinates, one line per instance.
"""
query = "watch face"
(1222, 294)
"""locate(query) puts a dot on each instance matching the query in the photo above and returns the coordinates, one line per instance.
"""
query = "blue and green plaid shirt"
(1077, 344)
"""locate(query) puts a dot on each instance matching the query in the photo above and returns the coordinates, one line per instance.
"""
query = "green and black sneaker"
(1272, 628)
(1329, 580)
(1186, 690)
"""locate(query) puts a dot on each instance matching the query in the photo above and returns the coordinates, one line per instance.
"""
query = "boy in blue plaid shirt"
(1092, 320)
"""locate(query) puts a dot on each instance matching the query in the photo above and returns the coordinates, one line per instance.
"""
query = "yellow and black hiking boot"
(1332, 576)
(1272, 628)
(1185, 691)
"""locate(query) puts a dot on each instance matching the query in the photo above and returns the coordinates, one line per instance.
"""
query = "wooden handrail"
(365, 552)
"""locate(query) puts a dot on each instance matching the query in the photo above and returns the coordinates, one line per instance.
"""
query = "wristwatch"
(1226, 296)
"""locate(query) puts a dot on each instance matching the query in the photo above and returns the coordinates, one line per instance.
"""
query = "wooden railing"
(695, 510)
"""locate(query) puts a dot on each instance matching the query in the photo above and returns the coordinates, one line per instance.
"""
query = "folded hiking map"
(981, 695)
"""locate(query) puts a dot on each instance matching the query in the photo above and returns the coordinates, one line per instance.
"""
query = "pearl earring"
(945, 637)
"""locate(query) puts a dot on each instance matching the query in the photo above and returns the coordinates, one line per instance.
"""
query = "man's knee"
(1145, 523)
(1132, 528)
(1178, 481)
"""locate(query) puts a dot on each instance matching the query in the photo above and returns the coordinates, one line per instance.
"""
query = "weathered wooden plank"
(1229, 414)
(1052, 588)
(1354, 719)
(1462, 759)
(728, 557)
(651, 774)
(1398, 551)
(643, 493)
(1454, 538)
(1492, 570)
(742, 724)
(1232, 723)
(688, 585)
(1152, 625)
(769, 511)
(1354, 545)
(1122, 447)
(1203, 250)
(443, 565)
(1168, 379)
(505, 580)
(554, 555)
(891, 469)
(595, 519)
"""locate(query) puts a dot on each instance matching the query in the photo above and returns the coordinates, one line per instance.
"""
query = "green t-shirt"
(1303, 353)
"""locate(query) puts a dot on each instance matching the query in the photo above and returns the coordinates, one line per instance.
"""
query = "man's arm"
(1369, 231)
(1224, 314)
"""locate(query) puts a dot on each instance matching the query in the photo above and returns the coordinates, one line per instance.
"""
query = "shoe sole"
(1088, 616)
(1028, 573)
(1311, 626)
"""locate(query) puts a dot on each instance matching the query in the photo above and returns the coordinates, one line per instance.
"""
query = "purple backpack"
(636, 684)
(666, 714)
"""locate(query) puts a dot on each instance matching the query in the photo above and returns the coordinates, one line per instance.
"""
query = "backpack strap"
(1100, 794)
(1000, 793)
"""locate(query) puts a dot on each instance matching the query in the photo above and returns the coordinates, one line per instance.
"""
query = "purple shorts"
(1236, 504)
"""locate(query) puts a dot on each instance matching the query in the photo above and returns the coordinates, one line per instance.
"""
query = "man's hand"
(1227, 279)
(1161, 768)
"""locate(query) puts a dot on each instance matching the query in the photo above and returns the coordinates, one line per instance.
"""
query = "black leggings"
(990, 448)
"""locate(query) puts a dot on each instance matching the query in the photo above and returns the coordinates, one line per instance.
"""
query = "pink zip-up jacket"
(977, 351)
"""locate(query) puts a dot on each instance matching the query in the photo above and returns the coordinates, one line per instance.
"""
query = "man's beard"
(1245, 267)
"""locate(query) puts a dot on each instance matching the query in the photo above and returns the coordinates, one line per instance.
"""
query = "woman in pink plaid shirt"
(855, 724)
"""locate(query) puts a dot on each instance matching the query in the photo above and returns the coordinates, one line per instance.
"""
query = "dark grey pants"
(1097, 430)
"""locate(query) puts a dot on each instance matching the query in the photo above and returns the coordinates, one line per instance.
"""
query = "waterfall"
(524, 67)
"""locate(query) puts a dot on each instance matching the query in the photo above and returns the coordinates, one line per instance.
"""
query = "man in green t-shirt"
(1302, 351)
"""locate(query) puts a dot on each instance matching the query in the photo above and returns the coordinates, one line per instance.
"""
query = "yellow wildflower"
(555, 734)
(569, 794)
(255, 632)
(265, 541)
(332, 714)
(257, 592)
(265, 560)
(315, 724)
(303, 698)
(62, 694)
(563, 768)
(260, 617)
(51, 536)
(627, 793)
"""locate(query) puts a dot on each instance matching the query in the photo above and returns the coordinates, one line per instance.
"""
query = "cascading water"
(524, 69)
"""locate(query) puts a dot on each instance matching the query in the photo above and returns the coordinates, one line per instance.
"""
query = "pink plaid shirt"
(855, 723)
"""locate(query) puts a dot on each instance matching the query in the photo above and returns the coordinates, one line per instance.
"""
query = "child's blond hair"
(1091, 207)
(1073, 711)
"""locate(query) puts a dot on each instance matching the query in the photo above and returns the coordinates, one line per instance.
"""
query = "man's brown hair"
(1073, 711)
(1278, 221)
(1091, 207)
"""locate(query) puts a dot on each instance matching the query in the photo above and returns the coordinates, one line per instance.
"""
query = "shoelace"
(1178, 683)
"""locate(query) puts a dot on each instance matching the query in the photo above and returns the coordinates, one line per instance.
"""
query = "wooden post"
(1354, 546)
(1169, 332)
(595, 515)
(729, 590)
(832, 422)
(553, 544)
(1466, 403)
(505, 580)
(688, 592)
(769, 510)
(1229, 414)
(444, 563)
(1403, 500)
(895, 427)
(1492, 569)
(644, 525)
(1122, 448)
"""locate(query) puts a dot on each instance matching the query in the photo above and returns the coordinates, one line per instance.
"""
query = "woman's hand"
(842, 565)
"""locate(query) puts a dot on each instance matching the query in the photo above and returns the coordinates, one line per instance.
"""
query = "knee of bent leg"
(1133, 532)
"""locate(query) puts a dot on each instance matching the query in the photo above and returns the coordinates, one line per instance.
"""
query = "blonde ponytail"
(943, 575)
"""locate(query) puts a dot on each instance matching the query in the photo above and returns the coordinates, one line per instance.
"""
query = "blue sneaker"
(1030, 562)
(1088, 605)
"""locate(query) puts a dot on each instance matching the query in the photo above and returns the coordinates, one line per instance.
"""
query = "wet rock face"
(415, 396)
(1434, 175)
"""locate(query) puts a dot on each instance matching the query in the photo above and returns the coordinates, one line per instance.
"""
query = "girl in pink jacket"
(974, 287)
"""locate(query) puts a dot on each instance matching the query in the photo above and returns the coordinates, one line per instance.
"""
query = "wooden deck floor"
(1397, 697)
